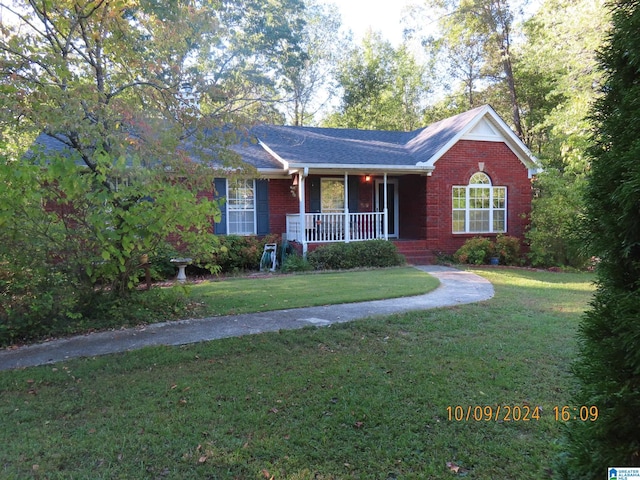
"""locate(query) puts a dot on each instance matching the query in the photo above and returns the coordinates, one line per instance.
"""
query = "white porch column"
(385, 211)
(347, 230)
(301, 207)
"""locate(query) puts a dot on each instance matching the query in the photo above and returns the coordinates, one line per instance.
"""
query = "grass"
(247, 295)
(365, 400)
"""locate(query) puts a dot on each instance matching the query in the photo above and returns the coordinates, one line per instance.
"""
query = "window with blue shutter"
(246, 209)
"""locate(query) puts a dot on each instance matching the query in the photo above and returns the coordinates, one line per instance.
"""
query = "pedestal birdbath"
(181, 263)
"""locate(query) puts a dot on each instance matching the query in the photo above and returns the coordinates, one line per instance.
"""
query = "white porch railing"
(331, 227)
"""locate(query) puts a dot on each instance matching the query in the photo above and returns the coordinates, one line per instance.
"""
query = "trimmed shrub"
(344, 256)
(480, 250)
(475, 251)
(507, 249)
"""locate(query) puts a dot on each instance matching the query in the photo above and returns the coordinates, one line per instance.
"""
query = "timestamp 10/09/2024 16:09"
(519, 413)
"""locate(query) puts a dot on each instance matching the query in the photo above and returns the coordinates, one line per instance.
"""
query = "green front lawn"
(247, 295)
(367, 400)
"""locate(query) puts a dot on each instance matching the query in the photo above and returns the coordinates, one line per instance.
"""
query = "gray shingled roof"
(46, 145)
(310, 146)
(270, 147)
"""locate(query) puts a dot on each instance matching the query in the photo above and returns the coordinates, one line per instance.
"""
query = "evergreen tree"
(608, 367)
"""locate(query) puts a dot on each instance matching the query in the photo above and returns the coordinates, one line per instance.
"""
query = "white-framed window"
(479, 207)
(332, 195)
(241, 207)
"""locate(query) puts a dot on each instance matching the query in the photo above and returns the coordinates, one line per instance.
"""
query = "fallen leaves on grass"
(457, 469)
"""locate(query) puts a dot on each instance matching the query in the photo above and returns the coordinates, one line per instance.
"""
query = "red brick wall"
(412, 201)
(281, 203)
(456, 168)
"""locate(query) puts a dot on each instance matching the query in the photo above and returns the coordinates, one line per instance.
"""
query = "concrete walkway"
(456, 288)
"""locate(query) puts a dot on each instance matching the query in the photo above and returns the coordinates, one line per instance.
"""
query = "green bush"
(475, 251)
(480, 250)
(608, 359)
(140, 307)
(344, 256)
(239, 253)
(507, 249)
(555, 236)
(295, 263)
(160, 263)
(35, 303)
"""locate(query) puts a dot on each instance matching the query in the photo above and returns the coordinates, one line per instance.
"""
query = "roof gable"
(418, 151)
(482, 124)
(483, 131)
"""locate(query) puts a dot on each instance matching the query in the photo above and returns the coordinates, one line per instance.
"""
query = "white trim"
(506, 135)
(284, 163)
(356, 168)
(396, 213)
(483, 132)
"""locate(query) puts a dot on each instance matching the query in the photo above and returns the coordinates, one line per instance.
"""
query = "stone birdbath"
(181, 263)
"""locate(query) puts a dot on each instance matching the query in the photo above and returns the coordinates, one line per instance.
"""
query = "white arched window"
(479, 207)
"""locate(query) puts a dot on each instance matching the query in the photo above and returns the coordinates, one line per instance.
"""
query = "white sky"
(385, 15)
(380, 15)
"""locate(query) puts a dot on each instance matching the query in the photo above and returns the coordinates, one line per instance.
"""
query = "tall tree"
(556, 73)
(249, 55)
(608, 367)
(123, 86)
(308, 83)
(475, 41)
(383, 88)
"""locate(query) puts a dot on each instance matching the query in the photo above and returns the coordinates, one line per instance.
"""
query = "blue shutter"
(314, 195)
(262, 207)
(220, 185)
(354, 193)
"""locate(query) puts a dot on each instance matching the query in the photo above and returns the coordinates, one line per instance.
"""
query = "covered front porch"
(336, 227)
(351, 207)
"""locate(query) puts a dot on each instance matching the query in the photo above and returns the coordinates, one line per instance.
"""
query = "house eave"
(274, 173)
(369, 169)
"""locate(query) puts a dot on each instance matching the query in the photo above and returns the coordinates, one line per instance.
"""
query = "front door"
(392, 203)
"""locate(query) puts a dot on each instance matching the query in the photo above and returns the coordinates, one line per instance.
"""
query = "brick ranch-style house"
(428, 190)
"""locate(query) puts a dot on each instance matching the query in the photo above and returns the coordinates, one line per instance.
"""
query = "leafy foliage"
(476, 251)
(555, 234)
(241, 253)
(475, 43)
(129, 113)
(609, 364)
(507, 249)
(295, 263)
(383, 88)
(480, 250)
(342, 256)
